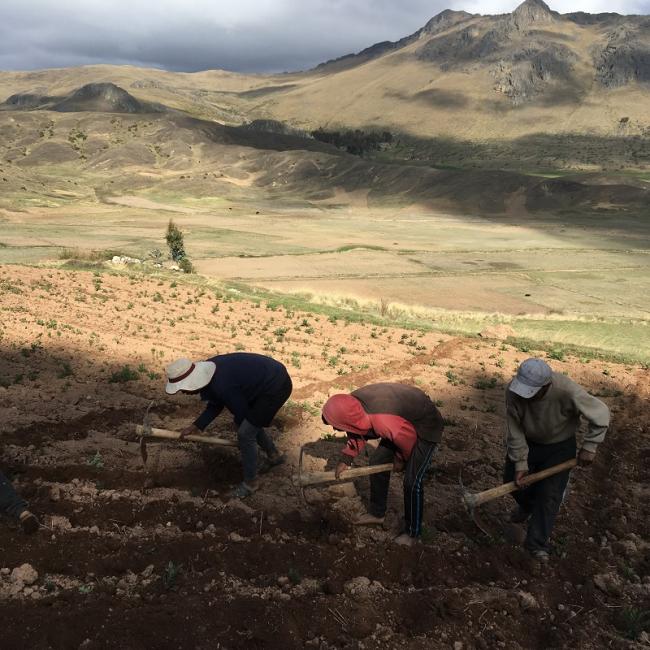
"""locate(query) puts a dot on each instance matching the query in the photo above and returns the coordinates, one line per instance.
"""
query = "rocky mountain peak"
(443, 20)
(532, 12)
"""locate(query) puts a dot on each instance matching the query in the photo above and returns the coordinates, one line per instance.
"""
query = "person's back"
(405, 401)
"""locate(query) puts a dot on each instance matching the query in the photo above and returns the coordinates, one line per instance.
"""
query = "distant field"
(557, 282)
(450, 250)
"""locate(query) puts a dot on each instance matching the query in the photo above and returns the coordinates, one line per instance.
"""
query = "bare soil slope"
(183, 566)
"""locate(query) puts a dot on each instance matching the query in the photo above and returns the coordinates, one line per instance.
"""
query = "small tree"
(176, 246)
(175, 242)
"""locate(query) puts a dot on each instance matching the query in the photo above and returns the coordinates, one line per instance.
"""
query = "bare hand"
(188, 431)
(519, 475)
(398, 464)
(586, 458)
(340, 468)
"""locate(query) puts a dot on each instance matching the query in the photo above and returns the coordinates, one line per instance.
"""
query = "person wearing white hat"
(253, 387)
(543, 412)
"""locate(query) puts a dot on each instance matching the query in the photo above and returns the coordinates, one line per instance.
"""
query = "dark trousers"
(542, 500)
(251, 431)
(415, 470)
(10, 502)
(248, 437)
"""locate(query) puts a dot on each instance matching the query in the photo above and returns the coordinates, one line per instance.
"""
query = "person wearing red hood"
(409, 428)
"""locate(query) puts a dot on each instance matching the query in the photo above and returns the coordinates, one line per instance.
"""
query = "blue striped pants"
(415, 471)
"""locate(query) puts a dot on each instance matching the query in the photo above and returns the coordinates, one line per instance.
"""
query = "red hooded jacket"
(355, 415)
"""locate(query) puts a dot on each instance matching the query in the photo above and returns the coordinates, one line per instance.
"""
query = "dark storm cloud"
(245, 35)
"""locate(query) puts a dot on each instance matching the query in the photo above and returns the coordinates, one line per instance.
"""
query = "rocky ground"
(182, 565)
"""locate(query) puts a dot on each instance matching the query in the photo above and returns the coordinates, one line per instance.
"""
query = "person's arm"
(516, 445)
(236, 403)
(209, 414)
(352, 449)
(597, 415)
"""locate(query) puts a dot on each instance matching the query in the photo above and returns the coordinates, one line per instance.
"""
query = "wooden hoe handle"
(324, 477)
(478, 498)
(174, 435)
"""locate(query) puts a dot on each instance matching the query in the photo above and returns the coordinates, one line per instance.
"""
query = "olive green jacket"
(553, 418)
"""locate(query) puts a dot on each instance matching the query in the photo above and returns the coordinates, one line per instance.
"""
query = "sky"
(239, 35)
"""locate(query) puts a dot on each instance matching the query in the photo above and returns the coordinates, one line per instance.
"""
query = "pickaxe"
(302, 479)
(150, 432)
(147, 431)
(474, 499)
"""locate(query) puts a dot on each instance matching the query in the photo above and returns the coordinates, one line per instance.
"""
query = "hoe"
(303, 479)
(145, 431)
(474, 499)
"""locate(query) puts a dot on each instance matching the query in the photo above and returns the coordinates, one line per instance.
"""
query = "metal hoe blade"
(146, 430)
(470, 505)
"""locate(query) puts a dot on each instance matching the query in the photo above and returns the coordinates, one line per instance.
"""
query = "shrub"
(126, 373)
(186, 266)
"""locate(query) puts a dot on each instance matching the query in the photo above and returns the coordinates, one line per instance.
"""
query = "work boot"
(244, 490)
(272, 461)
(519, 515)
(405, 540)
(28, 522)
(541, 555)
(367, 519)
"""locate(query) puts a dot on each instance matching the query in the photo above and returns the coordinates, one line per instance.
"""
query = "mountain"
(94, 97)
(463, 81)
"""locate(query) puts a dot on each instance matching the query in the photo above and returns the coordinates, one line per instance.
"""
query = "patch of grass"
(170, 575)
(85, 255)
(294, 575)
(96, 461)
(123, 375)
(484, 383)
(65, 370)
(556, 354)
(632, 621)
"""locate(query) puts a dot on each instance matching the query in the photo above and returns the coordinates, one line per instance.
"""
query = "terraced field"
(181, 564)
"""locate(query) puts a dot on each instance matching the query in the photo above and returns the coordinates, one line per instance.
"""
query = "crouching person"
(252, 387)
(409, 427)
(543, 410)
(14, 506)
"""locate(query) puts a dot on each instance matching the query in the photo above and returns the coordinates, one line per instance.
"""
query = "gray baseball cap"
(532, 375)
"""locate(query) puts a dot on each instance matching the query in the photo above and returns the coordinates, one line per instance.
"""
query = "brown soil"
(275, 571)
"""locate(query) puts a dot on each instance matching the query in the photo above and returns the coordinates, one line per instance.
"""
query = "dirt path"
(147, 204)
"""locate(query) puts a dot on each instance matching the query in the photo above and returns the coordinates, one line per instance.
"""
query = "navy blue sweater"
(240, 380)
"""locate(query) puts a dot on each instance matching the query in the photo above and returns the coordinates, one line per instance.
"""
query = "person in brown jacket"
(543, 411)
(409, 428)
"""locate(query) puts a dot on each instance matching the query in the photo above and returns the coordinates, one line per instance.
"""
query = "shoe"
(519, 515)
(28, 522)
(244, 490)
(540, 555)
(273, 461)
(368, 520)
(405, 540)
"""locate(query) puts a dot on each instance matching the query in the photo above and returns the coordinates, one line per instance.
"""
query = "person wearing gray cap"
(543, 412)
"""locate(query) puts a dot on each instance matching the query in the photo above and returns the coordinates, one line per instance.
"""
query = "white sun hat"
(183, 374)
(532, 376)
